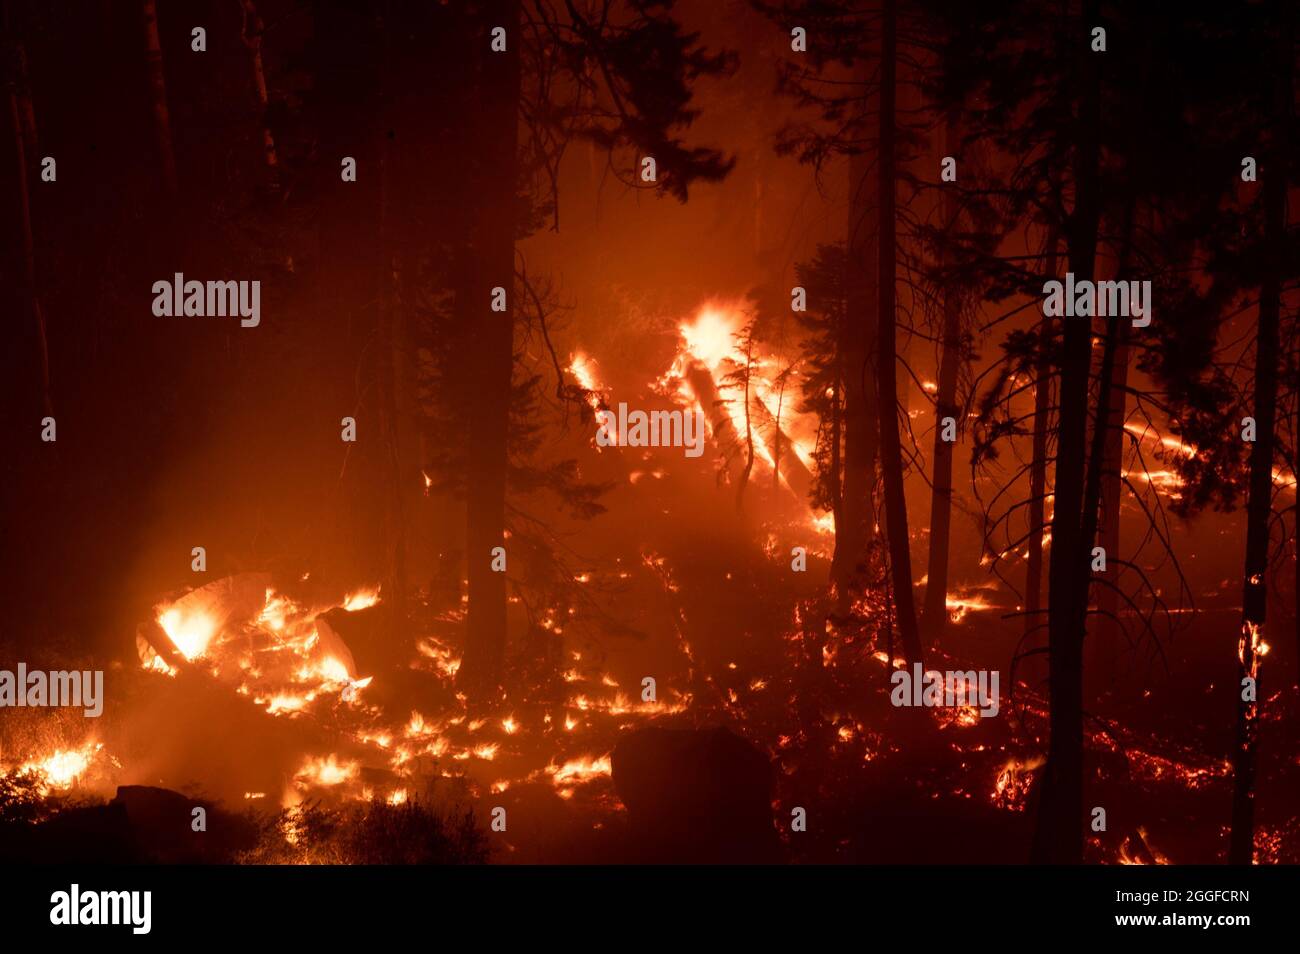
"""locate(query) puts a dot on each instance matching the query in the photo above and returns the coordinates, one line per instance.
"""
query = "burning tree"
(389, 173)
(1250, 254)
(1086, 169)
(849, 75)
(620, 77)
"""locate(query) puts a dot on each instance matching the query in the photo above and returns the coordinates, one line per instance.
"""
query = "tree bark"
(388, 360)
(22, 89)
(1106, 633)
(162, 123)
(891, 453)
(1038, 463)
(492, 357)
(30, 290)
(936, 590)
(1259, 506)
(855, 521)
(1058, 834)
(253, 28)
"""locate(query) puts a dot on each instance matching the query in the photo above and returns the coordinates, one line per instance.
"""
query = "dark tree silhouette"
(618, 75)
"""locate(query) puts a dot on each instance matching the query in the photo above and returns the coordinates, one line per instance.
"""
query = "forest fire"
(1013, 784)
(610, 432)
(285, 654)
(61, 769)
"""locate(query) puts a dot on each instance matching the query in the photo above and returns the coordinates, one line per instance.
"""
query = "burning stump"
(696, 796)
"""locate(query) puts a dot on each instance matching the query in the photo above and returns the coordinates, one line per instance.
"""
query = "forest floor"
(878, 784)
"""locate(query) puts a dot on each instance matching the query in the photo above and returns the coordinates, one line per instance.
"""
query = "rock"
(696, 796)
(162, 827)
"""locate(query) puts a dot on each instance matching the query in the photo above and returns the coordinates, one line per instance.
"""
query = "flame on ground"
(327, 771)
(1011, 788)
(61, 769)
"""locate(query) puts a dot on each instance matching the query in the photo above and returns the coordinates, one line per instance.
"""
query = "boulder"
(696, 796)
(162, 827)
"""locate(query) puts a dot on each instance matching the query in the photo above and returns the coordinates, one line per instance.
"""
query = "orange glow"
(327, 771)
(61, 769)
(361, 599)
(579, 771)
(190, 633)
(1011, 788)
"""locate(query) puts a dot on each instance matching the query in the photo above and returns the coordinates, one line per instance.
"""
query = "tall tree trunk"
(30, 291)
(1096, 473)
(22, 119)
(855, 521)
(936, 590)
(1259, 506)
(891, 452)
(162, 123)
(1038, 464)
(837, 494)
(252, 32)
(387, 358)
(1058, 833)
(493, 356)
(1107, 632)
(749, 421)
(21, 86)
(1105, 638)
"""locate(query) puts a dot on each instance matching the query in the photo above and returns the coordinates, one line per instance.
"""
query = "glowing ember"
(286, 703)
(445, 660)
(1013, 783)
(580, 770)
(962, 717)
(286, 653)
(1140, 851)
(960, 605)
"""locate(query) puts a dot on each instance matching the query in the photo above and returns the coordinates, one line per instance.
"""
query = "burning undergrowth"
(371, 832)
(339, 733)
(334, 750)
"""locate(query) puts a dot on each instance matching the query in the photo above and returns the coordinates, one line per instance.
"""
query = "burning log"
(334, 648)
(155, 650)
(715, 407)
(192, 621)
(797, 476)
(184, 628)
